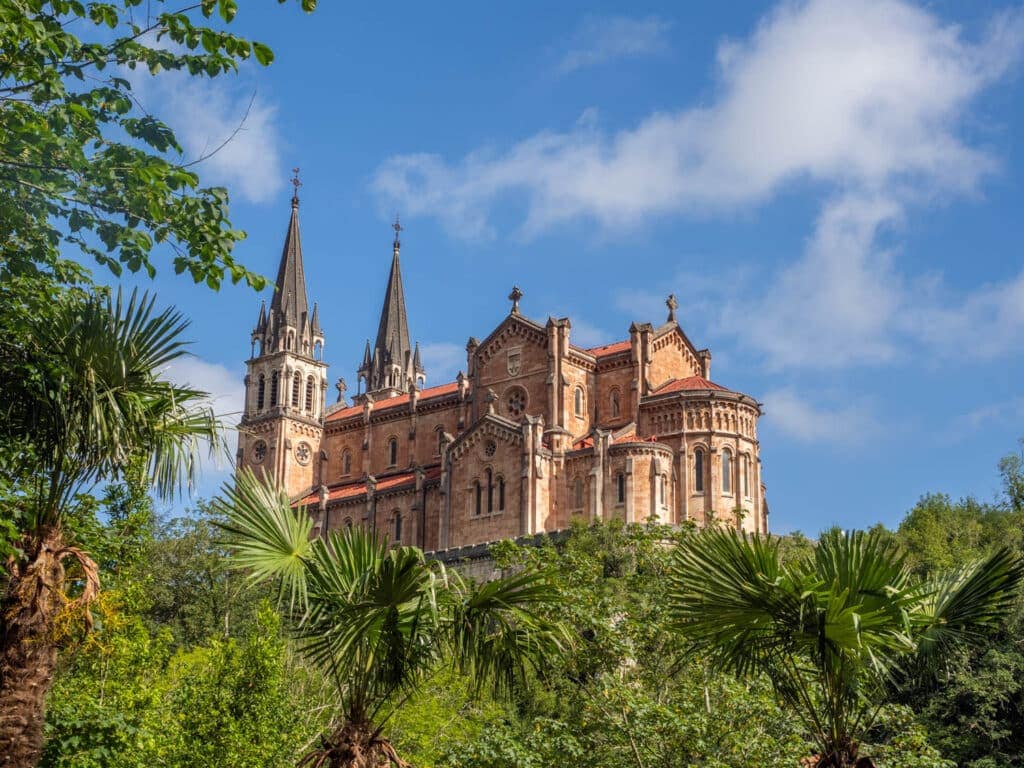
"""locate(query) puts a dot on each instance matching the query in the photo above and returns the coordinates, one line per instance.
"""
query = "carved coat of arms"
(515, 362)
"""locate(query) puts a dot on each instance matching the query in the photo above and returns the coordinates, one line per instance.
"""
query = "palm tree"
(380, 621)
(83, 398)
(833, 631)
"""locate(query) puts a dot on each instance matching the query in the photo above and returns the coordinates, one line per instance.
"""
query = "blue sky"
(833, 190)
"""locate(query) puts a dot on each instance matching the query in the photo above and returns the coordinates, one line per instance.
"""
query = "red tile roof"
(632, 438)
(393, 402)
(583, 442)
(609, 349)
(355, 489)
(689, 383)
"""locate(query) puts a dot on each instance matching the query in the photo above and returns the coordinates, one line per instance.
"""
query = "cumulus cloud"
(796, 416)
(865, 101)
(220, 119)
(599, 40)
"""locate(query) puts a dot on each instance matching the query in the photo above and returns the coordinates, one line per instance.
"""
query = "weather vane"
(295, 183)
(397, 226)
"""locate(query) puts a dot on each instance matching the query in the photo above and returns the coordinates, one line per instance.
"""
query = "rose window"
(259, 452)
(515, 403)
(490, 448)
(302, 453)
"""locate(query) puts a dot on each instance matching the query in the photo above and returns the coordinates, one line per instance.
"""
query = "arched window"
(614, 403)
(490, 490)
(501, 493)
(261, 388)
(309, 393)
(578, 401)
(296, 389)
(273, 388)
(397, 523)
(439, 433)
(578, 493)
(348, 523)
(346, 462)
(620, 488)
(726, 471)
(746, 476)
(291, 337)
(478, 498)
(663, 490)
(698, 470)
(392, 452)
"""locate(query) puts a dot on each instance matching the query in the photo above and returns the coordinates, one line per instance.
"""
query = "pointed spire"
(261, 324)
(290, 288)
(392, 346)
(366, 358)
(416, 364)
(314, 323)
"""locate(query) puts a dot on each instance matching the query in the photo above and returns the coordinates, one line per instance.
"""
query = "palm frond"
(499, 629)
(958, 605)
(267, 537)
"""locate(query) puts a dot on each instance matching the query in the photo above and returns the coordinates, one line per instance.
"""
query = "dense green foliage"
(624, 696)
(83, 166)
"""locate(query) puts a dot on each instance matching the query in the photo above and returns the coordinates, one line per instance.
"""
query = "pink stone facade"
(534, 433)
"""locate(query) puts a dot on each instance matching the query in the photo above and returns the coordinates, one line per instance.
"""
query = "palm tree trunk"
(33, 598)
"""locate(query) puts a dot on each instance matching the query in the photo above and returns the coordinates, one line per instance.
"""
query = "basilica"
(535, 432)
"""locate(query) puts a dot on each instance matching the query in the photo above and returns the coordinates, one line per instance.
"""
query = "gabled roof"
(429, 393)
(689, 383)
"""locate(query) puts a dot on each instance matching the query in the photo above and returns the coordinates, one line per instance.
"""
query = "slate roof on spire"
(290, 288)
(393, 329)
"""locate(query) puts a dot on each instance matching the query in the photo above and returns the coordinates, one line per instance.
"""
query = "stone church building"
(536, 430)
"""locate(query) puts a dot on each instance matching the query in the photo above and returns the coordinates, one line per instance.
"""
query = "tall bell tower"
(286, 380)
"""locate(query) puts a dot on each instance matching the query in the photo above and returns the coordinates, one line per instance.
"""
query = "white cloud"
(994, 413)
(443, 360)
(227, 399)
(865, 100)
(796, 416)
(599, 40)
(206, 113)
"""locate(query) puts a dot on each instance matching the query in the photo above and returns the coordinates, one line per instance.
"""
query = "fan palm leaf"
(380, 620)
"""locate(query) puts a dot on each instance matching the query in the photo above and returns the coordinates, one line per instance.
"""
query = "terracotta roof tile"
(357, 488)
(393, 402)
(609, 349)
(689, 383)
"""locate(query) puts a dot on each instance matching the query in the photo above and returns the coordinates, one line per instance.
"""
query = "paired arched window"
(296, 389)
(309, 393)
(478, 493)
(273, 388)
(392, 452)
(397, 526)
(726, 471)
(439, 434)
(698, 470)
(620, 488)
(490, 489)
(261, 389)
(578, 401)
(346, 462)
(501, 493)
(613, 402)
(578, 493)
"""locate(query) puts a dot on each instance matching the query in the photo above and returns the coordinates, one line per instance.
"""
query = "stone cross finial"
(672, 305)
(514, 297)
(342, 387)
